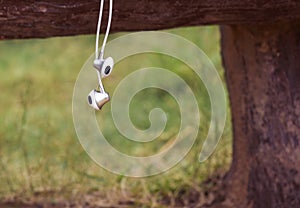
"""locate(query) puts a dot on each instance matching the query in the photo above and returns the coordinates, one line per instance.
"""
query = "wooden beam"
(47, 18)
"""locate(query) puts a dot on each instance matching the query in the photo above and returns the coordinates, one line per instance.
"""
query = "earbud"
(104, 66)
(97, 99)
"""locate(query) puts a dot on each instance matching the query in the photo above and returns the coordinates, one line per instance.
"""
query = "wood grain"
(47, 18)
(262, 67)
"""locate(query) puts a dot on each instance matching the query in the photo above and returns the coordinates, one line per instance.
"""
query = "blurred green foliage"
(39, 150)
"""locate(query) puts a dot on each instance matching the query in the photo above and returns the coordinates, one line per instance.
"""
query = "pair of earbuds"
(97, 98)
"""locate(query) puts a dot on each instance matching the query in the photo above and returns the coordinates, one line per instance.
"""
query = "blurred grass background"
(39, 150)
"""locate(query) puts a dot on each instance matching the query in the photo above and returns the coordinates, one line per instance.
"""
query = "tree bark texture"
(262, 65)
(48, 18)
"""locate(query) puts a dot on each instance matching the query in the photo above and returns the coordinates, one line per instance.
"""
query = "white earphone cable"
(100, 82)
(107, 29)
(105, 37)
(98, 29)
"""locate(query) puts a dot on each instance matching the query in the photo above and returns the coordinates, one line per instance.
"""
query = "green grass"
(39, 150)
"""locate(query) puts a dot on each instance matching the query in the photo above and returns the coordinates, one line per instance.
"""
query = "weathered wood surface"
(48, 18)
(262, 65)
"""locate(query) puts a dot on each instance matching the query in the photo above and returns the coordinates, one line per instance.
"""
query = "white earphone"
(104, 67)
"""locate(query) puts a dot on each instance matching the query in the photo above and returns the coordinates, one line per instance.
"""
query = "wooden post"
(262, 64)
